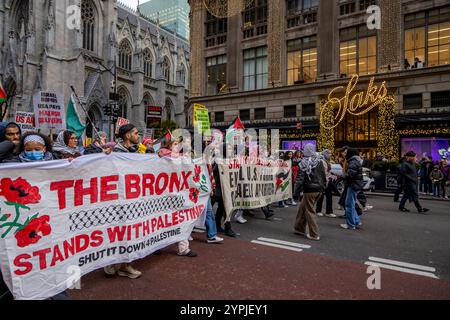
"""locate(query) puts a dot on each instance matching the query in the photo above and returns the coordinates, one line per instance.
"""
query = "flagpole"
(87, 114)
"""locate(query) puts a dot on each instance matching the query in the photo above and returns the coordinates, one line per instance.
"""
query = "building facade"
(42, 48)
(172, 14)
(275, 63)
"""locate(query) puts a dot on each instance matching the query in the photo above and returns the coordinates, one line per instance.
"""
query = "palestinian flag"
(73, 119)
(2, 94)
(237, 125)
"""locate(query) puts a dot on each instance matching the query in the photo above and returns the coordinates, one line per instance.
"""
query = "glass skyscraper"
(173, 14)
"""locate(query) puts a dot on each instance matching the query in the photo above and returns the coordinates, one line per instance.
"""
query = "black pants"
(328, 195)
(405, 198)
(428, 185)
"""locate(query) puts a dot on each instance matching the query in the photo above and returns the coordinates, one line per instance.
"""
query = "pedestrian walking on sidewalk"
(329, 189)
(354, 183)
(311, 181)
(409, 183)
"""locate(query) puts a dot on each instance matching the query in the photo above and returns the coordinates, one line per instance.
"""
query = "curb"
(390, 195)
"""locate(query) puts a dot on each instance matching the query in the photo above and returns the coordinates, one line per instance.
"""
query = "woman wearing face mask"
(66, 146)
(34, 147)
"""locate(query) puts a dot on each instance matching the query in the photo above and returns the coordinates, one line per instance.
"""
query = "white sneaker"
(331, 215)
(367, 208)
(129, 272)
(312, 238)
(191, 239)
(346, 226)
(216, 239)
(319, 214)
(241, 220)
(294, 203)
(110, 270)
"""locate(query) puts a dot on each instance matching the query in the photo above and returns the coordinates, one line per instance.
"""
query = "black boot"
(228, 231)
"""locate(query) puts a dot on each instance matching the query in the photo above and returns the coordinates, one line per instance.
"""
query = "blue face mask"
(35, 155)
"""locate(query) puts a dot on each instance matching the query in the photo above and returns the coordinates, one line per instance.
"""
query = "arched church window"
(125, 55)
(148, 63)
(123, 103)
(88, 19)
(166, 69)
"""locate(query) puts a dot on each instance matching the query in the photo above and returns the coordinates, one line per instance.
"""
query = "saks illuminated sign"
(355, 104)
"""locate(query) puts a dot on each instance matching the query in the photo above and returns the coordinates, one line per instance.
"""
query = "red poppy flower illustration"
(34, 231)
(193, 195)
(197, 172)
(19, 191)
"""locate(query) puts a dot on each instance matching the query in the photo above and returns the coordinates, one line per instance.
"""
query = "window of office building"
(347, 8)
(255, 18)
(440, 99)
(412, 101)
(256, 69)
(364, 4)
(358, 51)
(302, 60)
(244, 115)
(260, 113)
(294, 6)
(309, 110)
(216, 73)
(216, 30)
(219, 116)
(427, 38)
(290, 111)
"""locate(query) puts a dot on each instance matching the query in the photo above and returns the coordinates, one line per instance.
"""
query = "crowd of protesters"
(312, 176)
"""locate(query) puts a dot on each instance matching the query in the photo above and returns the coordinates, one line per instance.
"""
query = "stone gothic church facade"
(44, 47)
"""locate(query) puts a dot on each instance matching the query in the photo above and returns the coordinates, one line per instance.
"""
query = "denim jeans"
(210, 222)
(436, 189)
(351, 215)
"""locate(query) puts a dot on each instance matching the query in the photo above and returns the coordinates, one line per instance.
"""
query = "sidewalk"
(391, 195)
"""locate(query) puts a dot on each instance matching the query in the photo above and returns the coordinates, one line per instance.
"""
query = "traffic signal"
(107, 109)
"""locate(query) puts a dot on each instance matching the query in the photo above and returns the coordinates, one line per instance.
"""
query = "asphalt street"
(267, 261)
(386, 233)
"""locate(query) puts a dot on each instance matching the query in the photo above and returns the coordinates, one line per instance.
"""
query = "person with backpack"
(311, 181)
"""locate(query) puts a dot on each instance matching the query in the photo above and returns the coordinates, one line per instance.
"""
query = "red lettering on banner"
(61, 187)
(97, 238)
(57, 256)
(91, 191)
(116, 233)
(106, 187)
(132, 187)
(160, 189)
(69, 248)
(174, 182)
(42, 257)
(186, 176)
(81, 242)
(20, 263)
(146, 228)
(148, 181)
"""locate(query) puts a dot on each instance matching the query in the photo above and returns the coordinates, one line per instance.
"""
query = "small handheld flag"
(3, 96)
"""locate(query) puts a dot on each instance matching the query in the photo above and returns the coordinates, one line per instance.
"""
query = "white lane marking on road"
(287, 243)
(386, 266)
(403, 264)
(276, 246)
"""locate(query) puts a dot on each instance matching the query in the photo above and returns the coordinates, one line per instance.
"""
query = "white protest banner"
(25, 120)
(92, 212)
(49, 110)
(251, 182)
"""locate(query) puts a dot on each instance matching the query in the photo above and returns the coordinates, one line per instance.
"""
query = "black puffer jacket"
(354, 174)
